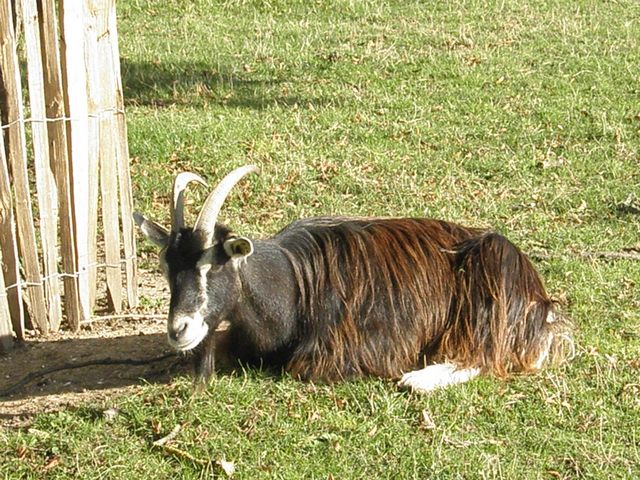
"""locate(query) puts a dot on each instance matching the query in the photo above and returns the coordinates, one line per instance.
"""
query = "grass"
(524, 116)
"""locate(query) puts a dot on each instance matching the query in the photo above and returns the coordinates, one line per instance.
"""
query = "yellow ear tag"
(237, 247)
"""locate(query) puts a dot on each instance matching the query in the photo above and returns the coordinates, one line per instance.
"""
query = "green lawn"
(523, 116)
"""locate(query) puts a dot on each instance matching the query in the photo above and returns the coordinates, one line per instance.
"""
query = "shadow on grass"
(66, 367)
(162, 85)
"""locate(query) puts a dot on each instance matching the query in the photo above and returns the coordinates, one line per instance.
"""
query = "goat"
(428, 302)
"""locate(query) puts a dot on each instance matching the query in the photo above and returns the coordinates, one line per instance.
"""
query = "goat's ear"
(238, 247)
(154, 232)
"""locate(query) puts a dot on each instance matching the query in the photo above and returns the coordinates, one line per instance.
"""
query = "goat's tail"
(501, 319)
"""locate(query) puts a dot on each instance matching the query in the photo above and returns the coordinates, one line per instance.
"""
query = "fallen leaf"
(156, 426)
(110, 414)
(51, 463)
(229, 468)
(21, 451)
(38, 433)
(427, 421)
(612, 359)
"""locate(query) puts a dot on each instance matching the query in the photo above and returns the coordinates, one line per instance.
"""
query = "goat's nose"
(176, 330)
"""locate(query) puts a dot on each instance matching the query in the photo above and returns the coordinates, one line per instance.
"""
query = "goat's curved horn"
(209, 214)
(179, 184)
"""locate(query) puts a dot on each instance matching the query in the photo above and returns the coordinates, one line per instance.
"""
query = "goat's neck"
(267, 305)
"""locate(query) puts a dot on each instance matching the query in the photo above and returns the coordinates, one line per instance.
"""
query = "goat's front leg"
(212, 352)
(436, 376)
(204, 361)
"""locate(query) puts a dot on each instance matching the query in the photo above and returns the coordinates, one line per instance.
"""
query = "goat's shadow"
(44, 372)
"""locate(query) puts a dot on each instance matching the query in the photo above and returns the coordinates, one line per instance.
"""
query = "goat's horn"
(209, 214)
(179, 184)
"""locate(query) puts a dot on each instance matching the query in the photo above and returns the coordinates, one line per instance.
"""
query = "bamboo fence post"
(80, 160)
(74, 79)
(45, 183)
(16, 15)
(6, 328)
(124, 178)
(58, 155)
(18, 162)
(107, 155)
(9, 300)
(9, 247)
(95, 141)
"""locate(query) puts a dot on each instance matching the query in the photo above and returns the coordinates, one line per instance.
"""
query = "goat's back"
(374, 294)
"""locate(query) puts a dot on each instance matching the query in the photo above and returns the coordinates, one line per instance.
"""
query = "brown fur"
(385, 296)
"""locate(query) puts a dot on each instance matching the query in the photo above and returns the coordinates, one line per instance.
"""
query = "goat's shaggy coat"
(385, 296)
(335, 298)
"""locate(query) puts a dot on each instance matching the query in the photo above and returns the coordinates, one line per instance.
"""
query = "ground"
(133, 336)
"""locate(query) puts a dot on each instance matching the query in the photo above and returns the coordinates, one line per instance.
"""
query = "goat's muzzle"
(186, 331)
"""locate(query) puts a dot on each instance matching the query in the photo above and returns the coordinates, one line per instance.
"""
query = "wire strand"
(59, 275)
(100, 114)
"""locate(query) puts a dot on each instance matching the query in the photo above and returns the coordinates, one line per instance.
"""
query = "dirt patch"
(105, 358)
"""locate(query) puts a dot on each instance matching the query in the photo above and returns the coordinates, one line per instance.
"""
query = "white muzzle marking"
(192, 329)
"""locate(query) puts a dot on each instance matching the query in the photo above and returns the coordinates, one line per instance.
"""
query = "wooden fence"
(65, 193)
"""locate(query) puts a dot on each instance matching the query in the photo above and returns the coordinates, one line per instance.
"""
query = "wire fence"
(59, 275)
(23, 121)
(65, 190)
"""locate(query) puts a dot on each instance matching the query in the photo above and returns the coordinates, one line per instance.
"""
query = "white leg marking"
(436, 376)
